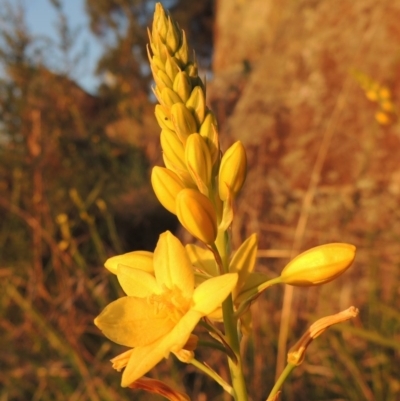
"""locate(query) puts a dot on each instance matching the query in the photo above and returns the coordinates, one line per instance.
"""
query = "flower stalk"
(171, 290)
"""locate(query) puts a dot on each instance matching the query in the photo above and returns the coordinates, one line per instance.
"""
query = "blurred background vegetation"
(311, 87)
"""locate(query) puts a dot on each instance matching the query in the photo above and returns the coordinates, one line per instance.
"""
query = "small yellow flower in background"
(161, 308)
(319, 265)
(382, 118)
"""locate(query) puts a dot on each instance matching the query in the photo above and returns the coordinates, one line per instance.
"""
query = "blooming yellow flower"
(161, 308)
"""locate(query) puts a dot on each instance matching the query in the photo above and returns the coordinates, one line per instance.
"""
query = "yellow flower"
(161, 309)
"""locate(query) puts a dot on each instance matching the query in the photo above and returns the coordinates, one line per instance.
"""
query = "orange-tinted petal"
(145, 358)
(136, 283)
(172, 265)
(210, 294)
(133, 322)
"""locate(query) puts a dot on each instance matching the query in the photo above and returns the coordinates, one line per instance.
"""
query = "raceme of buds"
(198, 162)
(197, 214)
(166, 185)
(233, 170)
(319, 265)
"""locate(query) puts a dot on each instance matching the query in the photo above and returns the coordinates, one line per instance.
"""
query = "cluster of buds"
(195, 182)
(380, 94)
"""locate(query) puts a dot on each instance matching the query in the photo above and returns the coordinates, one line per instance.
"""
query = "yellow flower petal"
(133, 322)
(136, 283)
(142, 260)
(145, 358)
(210, 294)
(202, 259)
(172, 265)
(244, 259)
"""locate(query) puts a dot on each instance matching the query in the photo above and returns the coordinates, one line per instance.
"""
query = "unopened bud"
(319, 265)
(196, 213)
(232, 171)
(162, 80)
(173, 149)
(183, 121)
(171, 68)
(197, 104)
(163, 118)
(182, 86)
(208, 130)
(182, 54)
(166, 185)
(198, 161)
(169, 97)
(173, 36)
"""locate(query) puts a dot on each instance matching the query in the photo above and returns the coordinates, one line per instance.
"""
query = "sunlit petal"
(211, 293)
(136, 283)
(172, 265)
(202, 259)
(145, 358)
(133, 322)
(141, 260)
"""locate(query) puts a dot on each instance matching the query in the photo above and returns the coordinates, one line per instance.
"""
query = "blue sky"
(41, 19)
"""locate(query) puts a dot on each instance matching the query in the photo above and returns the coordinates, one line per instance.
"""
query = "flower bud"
(173, 149)
(208, 130)
(196, 213)
(191, 70)
(162, 79)
(182, 86)
(182, 54)
(172, 38)
(198, 162)
(319, 265)
(163, 118)
(171, 68)
(197, 104)
(160, 20)
(232, 172)
(166, 185)
(169, 97)
(183, 121)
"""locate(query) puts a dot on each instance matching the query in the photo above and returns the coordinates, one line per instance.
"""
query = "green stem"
(230, 322)
(214, 375)
(283, 376)
(232, 337)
